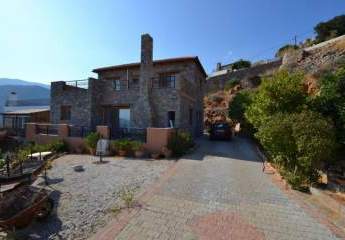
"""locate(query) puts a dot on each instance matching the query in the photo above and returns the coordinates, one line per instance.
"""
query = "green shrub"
(2, 160)
(283, 92)
(299, 142)
(92, 139)
(330, 101)
(241, 64)
(285, 49)
(122, 145)
(2, 163)
(58, 146)
(237, 108)
(136, 145)
(180, 143)
(330, 29)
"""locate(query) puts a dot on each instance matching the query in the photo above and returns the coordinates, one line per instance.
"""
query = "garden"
(178, 145)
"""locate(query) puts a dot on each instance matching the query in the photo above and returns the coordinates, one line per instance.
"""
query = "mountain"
(25, 91)
(18, 82)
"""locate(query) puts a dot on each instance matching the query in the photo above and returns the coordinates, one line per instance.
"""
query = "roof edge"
(159, 61)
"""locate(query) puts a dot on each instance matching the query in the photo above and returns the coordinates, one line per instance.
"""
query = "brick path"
(218, 192)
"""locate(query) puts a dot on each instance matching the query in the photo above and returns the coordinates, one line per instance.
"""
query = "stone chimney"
(219, 66)
(146, 49)
(144, 104)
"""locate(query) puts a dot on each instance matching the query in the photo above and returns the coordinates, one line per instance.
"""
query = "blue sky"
(46, 40)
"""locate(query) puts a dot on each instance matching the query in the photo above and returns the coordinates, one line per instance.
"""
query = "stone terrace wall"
(215, 83)
(318, 57)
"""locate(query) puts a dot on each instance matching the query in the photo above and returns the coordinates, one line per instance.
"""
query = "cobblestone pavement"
(84, 199)
(220, 192)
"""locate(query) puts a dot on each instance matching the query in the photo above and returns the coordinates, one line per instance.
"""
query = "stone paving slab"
(220, 192)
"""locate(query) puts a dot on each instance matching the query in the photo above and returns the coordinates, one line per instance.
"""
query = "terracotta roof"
(155, 62)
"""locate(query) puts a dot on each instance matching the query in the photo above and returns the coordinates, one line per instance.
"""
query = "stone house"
(150, 93)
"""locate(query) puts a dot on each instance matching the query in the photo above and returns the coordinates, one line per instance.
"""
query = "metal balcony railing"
(84, 83)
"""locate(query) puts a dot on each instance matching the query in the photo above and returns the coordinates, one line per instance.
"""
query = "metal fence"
(47, 129)
(79, 83)
(79, 131)
(138, 134)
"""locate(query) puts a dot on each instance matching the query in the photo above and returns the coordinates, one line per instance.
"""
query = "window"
(65, 113)
(171, 119)
(117, 85)
(124, 117)
(135, 82)
(191, 116)
(167, 80)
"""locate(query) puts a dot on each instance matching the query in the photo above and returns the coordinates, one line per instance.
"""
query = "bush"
(299, 142)
(283, 92)
(239, 104)
(136, 145)
(122, 145)
(330, 29)
(180, 143)
(330, 101)
(92, 139)
(58, 146)
(241, 64)
(285, 49)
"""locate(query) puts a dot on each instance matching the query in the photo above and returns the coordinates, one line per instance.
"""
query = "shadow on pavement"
(239, 148)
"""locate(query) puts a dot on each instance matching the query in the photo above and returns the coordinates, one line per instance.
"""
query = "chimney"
(219, 66)
(145, 105)
(146, 49)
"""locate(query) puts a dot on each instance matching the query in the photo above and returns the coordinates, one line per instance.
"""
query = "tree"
(239, 104)
(237, 108)
(331, 100)
(330, 29)
(283, 92)
(285, 49)
(241, 64)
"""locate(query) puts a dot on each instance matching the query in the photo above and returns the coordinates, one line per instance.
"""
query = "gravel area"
(84, 199)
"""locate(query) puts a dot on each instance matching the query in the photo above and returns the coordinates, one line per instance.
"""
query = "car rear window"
(221, 126)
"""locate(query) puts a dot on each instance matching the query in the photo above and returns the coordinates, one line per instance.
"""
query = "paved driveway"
(220, 192)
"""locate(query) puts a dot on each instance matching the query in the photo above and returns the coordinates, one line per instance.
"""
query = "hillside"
(18, 82)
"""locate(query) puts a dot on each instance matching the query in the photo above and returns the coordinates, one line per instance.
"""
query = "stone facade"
(217, 80)
(76, 98)
(149, 90)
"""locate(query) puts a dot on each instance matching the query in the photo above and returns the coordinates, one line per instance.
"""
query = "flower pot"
(122, 153)
(139, 153)
(166, 152)
(155, 155)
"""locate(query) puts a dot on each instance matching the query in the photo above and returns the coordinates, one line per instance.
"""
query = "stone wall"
(77, 98)
(325, 55)
(217, 80)
(188, 92)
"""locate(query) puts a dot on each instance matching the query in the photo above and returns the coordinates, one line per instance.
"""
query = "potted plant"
(91, 142)
(122, 147)
(166, 152)
(156, 155)
(138, 149)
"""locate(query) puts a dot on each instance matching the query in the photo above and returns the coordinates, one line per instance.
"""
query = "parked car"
(220, 131)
